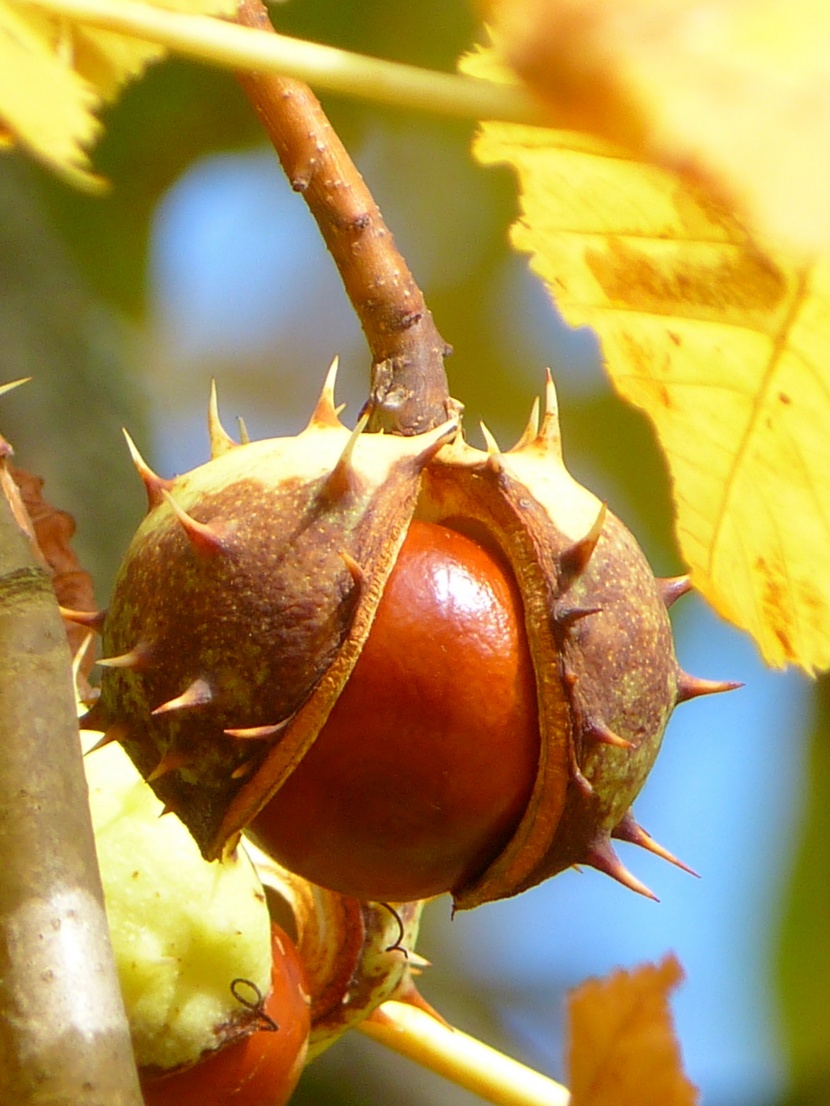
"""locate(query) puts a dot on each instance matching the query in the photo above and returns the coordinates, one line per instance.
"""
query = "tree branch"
(409, 391)
(64, 1038)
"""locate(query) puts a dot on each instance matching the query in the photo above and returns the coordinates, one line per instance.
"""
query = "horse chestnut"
(427, 761)
(257, 674)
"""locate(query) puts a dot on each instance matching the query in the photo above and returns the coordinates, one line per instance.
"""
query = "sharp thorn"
(95, 718)
(567, 616)
(93, 620)
(196, 695)
(243, 770)
(154, 485)
(692, 687)
(407, 992)
(13, 384)
(628, 830)
(341, 480)
(258, 733)
(551, 400)
(172, 760)
(494, 457)
(598, 731)
(355, 570)
(530, 432)
(205, 540)
(106, 739)
(549, 436)
(417, 963)
(244, 436)
(577, 775)
(138, 657)
(325, 413)
(433, 440)
(581, 781)
(220, 440)
(574, 559)
(671, 588)
(601, 856)
(168, 808)
(115, 732)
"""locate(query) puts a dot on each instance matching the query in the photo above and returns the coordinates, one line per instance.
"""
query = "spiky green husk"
(248, 591)
(182, 929)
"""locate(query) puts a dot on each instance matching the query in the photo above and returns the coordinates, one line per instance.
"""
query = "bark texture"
(64, 1038)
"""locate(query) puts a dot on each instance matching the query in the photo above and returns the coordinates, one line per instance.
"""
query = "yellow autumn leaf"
(622, 1049)
(734, 93)
(44, 103)
(55, 73)
(723, 345)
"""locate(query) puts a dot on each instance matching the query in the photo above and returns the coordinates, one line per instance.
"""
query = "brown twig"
(409, 391)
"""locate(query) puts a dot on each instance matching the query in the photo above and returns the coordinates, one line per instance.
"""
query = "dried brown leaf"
(623, 1050)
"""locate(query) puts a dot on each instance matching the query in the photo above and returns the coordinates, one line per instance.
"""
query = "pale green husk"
(182, 928)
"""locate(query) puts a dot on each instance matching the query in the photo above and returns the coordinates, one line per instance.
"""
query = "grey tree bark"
(64, 1038)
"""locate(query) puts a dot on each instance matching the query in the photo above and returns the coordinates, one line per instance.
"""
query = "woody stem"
(409, 391)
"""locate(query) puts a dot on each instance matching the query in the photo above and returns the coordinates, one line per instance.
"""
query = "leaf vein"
(759, 401)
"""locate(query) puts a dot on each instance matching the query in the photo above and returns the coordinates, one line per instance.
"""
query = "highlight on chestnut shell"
(427, 761)
(248, 634)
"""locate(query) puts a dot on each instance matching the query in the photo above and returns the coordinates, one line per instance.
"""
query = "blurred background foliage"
(200, 262)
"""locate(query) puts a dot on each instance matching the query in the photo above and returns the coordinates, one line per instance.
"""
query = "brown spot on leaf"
(700, 214)
(776, 602)
(664, 396)
(738, 283)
